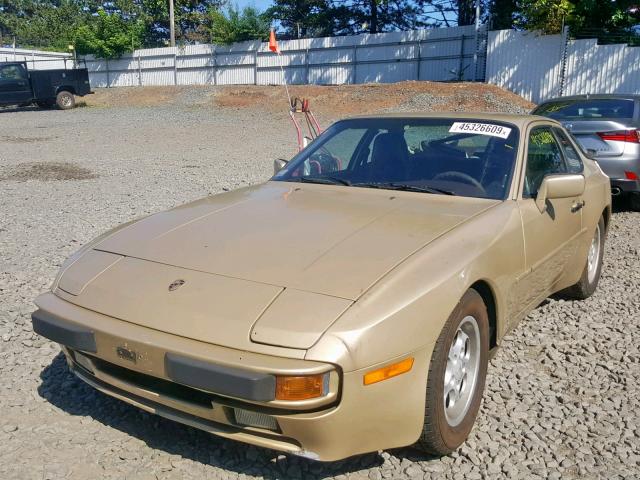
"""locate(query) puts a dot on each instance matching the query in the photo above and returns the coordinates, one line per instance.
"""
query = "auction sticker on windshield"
(480, 129)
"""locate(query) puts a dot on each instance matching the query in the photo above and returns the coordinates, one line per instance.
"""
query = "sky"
(259, 4)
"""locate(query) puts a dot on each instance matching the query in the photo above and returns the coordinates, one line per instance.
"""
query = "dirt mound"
(370, 98)
(327, 101)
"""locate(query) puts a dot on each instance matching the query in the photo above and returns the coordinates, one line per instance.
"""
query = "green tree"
(588, 18)
(303, 18)
(236, 25)
(308, 18)
(547, 16)
(108, 35)
(42, 24)
(191, 19)
(604, 15)
(502, 13)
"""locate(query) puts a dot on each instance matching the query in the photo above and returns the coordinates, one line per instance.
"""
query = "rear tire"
(65, 100)
(634, 201)
(457, 375)
(591, 274)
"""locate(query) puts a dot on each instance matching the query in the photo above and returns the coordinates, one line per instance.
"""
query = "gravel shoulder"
(563, 393)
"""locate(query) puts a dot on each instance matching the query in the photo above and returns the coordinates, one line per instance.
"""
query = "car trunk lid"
(591, 136)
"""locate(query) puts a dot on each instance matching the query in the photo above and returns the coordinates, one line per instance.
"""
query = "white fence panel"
(593, 68)
(196, 61)
(441, 70)
(386, 57)
(154, 62)
(235, 75)
(387, 53)
(526, 63)
(99, 80)
(331, 74)
(158, 77)
(386, 72)
(336, 55)
(231, 59)
(531, 65)
(195, 76)
(123, 79)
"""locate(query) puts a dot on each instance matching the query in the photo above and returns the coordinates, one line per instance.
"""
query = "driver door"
(14, 84)
(550, 237)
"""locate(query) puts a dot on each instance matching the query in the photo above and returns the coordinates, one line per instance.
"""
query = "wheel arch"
(488, 297)
(606, 215)
(66, 88)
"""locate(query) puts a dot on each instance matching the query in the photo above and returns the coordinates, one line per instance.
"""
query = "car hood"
(331, 240)
(274, 264)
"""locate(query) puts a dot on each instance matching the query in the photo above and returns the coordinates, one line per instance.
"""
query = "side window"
(12, 72)
(543, 158)
(574, 162)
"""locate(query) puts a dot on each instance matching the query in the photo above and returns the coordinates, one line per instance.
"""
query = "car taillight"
(631, 175)
(631, 136)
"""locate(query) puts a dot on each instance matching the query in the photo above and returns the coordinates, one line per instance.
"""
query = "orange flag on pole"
(273, 43)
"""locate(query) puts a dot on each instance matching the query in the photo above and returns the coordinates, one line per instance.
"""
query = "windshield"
(450, 156)
(603, 108)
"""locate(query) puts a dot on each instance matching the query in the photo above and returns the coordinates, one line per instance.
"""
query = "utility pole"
(477, 33)
(172, 24)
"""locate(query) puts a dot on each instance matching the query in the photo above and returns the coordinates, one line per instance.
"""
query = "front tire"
(591, 274)
(65, 100)
(457, 374)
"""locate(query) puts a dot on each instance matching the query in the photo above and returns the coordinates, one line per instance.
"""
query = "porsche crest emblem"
(176, 284)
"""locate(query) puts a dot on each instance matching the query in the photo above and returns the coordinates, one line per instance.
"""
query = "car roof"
(519, 120)
(597, 96)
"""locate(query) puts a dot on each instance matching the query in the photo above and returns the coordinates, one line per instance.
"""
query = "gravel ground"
(562, 398)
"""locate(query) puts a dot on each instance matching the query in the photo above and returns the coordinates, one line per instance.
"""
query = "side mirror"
(279, 164)
(559, 186)
(591, 153)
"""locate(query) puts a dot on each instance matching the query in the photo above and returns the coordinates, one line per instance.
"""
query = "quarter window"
(543, 158)
(574, 162)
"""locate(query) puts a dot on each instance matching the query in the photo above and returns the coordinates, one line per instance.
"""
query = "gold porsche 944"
(351, 303)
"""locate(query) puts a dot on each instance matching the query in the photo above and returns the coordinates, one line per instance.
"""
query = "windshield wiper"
(405, 187)
(322, 180)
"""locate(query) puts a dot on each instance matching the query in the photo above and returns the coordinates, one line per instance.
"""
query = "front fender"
(77, 255)
(407, 309)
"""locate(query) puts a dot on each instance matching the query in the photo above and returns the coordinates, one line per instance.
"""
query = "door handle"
(577, 206)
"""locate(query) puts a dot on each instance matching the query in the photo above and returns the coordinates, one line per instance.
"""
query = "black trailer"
(45, 88)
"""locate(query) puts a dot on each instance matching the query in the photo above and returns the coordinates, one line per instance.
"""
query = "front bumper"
(351, 419)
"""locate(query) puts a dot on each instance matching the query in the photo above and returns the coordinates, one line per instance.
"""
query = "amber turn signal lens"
(300, 388)
(389, 371)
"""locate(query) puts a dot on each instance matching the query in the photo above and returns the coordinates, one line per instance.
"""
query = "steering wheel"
(463, 177)
(327, 160)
